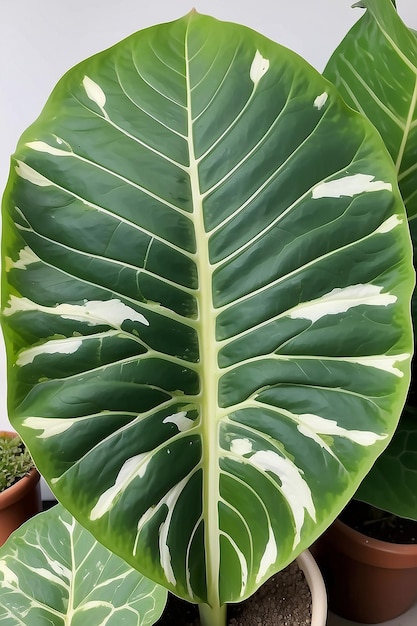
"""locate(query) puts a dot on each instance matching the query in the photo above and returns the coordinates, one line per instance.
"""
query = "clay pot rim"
(16, 491)
(370, 550)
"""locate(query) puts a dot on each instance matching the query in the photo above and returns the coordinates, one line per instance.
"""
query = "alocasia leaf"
(53, 571)
(206, 294)
(375, 69)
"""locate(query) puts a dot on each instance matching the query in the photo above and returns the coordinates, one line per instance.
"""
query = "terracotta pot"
(19, 502)
(315, 581)
(368, 580)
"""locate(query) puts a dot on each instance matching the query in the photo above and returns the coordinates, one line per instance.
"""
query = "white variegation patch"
(26, 257)
(389, 224)
(181, 421)
(49, 576)
(55, 346)
(293, 486)
(59, 568)
(32, 176)
(169, 501)
(340, 300)
(8, 577)
(241, 446)
(242, 562)
(95, 604)
(259, 68)
(41, 146)
(112, 312)
(94, 92)
(70, 526)
(314, 426)
(321, 100)
(269, 556)
(132, 468)
(50, 426)
(350, 186)
(94, 312)
(382, 362)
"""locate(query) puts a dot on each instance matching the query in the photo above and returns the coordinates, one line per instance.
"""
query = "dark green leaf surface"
(207, 280)
(392, 483)
(375, 69)
(53, 572)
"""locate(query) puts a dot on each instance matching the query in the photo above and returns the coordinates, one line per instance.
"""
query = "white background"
(42, 39)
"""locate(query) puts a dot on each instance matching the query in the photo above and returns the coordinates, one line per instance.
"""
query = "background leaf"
(398, 461)
(52, 571)
(220, 345)
(375, 69)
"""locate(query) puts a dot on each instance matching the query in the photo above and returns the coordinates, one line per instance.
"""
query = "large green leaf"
(206, 302)
(375, 69)
(52, 571)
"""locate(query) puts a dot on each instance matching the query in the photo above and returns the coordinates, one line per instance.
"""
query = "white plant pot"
(315, 581)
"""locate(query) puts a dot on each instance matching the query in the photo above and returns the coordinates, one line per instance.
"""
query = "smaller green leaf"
(52, 571)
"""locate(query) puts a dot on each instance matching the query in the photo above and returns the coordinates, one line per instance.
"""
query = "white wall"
(41, 39)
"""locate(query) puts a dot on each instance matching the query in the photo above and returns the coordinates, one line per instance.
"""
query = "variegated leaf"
(53, 571)
(375, 69)
(206, 302)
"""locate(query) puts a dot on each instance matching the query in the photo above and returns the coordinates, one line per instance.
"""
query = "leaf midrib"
(207, 364)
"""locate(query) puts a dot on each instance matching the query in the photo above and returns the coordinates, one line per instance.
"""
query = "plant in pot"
(375, 70)
(206, 292)
(19, 484)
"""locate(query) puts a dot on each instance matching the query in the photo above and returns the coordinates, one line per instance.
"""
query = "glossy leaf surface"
(392, 483)
(53, 571)
(375, 69)
(206, 293)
